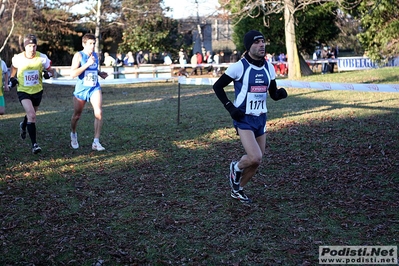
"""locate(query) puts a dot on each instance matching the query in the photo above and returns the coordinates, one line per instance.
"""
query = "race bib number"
(90, 78)
(31, 77)
(256, 104)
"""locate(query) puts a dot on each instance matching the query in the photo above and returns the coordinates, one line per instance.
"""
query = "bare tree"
(12, 24)
(255, 8)
(98, 26)
(2, 8)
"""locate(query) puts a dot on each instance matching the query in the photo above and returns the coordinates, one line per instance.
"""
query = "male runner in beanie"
(253, 77)
(28, 67)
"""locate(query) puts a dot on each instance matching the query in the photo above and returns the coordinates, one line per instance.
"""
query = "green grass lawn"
(159, 193)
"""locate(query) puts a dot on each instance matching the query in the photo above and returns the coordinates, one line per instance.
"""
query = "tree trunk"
(305, 69)
(97, 33)
(294, 69)
(12, 24)
(2, 8)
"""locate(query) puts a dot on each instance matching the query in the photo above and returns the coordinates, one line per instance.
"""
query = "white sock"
(74, 134)
(236, 168)
(96, 140)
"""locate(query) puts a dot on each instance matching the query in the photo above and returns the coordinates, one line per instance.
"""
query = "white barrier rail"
(308, 85)
(280, 83)
(107, 81)
(161, 70)
(339, 86)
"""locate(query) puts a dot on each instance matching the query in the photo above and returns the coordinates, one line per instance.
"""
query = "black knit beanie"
(30, 39)
(250, 37)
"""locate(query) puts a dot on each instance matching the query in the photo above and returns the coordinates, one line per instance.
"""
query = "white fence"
(168, 71)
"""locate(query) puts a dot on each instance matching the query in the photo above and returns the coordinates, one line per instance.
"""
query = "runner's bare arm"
(77, 68)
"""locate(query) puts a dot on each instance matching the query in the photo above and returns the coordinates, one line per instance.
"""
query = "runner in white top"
(253, 77)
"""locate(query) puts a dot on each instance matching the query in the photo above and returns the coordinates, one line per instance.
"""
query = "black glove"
(281, 94)
(47, 74)
(13, 82)
(235, 113)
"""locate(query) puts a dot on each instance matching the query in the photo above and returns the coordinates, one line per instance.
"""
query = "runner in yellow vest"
(26, 72)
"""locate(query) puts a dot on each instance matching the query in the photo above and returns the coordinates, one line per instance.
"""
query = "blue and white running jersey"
(88, 79)
(251, 84)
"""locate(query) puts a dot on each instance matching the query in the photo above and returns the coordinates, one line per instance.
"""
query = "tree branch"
(12, 26)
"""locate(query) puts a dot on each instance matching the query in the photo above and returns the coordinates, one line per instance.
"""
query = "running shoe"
(22, 131)
(97, 147)
(36, 149)
(235, 177)
(240, 195)
(74, 140)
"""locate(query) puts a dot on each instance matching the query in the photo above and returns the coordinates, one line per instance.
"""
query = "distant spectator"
(209, 60)
(119, 60)
(332, 55)
(183, 63)
(275, 62)
(216, 58)
(129, 59)
(140, 58)
(199, 61)
(219, 59)
(282, 59)
(222, 58)
(194, 64)
(314, 58)
(203, 53)
(166, 59)
(182, 58)
(208, 57)
(269, 57)
(234, 57)
(324, 56)
(108, 60)
(146, 58)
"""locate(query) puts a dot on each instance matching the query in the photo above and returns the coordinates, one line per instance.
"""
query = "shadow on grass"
(159, 194)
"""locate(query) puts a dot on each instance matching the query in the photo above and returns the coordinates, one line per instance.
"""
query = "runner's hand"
(235, 113)
(47, 74)
(281, 93)
(104, 75)
(13, 82)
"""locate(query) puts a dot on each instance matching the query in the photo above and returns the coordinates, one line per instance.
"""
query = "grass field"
(159, 194)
